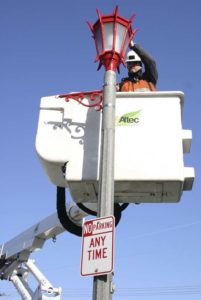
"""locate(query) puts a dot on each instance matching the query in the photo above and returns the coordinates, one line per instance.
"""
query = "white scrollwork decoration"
(75, 129)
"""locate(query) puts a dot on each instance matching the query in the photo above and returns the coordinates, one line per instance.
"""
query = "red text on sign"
(100, 252)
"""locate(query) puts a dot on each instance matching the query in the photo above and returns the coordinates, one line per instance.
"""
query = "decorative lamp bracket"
(87, 99)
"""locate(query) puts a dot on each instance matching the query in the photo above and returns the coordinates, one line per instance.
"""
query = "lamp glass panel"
(98, 37)
(120, 33)
(108, 35)
(126, 44)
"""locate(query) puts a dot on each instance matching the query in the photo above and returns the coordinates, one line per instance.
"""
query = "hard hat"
(133, 57)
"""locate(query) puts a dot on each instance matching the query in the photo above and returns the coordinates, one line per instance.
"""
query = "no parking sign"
(98, 246)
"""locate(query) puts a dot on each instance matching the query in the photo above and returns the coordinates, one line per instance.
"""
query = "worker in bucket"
(142, 71)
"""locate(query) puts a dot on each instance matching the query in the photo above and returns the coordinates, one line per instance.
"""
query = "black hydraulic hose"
(117, 211)
(66, 221)
(86, 209)
(124, 206)
(2, 261)
(62, 214)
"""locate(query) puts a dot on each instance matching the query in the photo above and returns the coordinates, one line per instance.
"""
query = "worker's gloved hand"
(132, 45)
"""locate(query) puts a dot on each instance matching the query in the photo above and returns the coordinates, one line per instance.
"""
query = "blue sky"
(47, 49)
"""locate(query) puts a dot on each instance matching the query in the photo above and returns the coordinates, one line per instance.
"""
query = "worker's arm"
(151, 73)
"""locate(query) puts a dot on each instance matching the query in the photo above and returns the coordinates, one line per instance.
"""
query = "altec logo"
(130, 118)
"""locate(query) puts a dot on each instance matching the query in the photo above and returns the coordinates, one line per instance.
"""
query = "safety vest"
(138, 86)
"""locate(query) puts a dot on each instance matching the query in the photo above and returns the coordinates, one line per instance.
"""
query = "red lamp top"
(112, 34)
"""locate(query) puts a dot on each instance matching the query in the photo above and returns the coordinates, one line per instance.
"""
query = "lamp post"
(112, 34)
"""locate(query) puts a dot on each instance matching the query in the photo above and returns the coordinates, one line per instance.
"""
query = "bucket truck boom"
(15, 262)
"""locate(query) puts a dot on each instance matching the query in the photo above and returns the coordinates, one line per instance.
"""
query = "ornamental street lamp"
(112, 35)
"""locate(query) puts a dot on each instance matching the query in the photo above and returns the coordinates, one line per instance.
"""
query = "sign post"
(98, 246)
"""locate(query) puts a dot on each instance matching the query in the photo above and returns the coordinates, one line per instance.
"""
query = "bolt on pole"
(102, 289)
